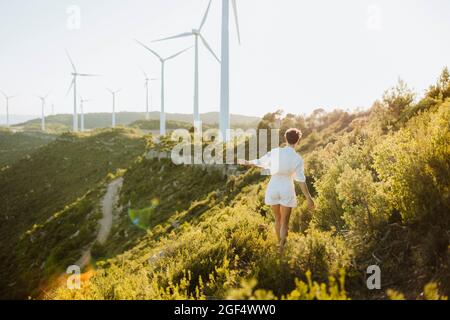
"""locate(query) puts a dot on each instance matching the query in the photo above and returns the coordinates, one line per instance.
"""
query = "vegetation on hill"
(158, 193)
(380, 179)
(50, 196)
(63, 122)
(14, 146)
(153, 125)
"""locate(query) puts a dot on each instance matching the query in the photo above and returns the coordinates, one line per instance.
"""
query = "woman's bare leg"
(277, 214)
(285, 213)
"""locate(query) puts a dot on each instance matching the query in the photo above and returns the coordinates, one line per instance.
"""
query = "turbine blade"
(4, 94)
(144, 73)
(177, 54)
(70, 87)
(181, 35)
(152, 51)
(71, 61)
(88, 75)
(236, 18)
(205, 16)
(209, 48)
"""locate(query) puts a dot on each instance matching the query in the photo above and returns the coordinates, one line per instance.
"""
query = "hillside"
(380, 180)
(63, 122)
(153, 125)
(14, 146)
(48, 196)
(15, 118)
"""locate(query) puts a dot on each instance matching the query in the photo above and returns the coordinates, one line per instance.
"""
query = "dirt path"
(109, 203)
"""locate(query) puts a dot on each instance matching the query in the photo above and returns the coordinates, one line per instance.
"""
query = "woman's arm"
(245, 163)
(307, 195)
(264, 162)
(300, 177)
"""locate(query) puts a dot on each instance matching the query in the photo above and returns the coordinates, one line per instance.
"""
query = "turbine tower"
(163, 63)
(224, 122)
(147, 95)
(75, 74)
(196, 33)
(82, 102)
(114, 106)
(7, 98)
(43, 100)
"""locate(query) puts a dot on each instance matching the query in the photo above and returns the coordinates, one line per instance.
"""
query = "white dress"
(285, 166)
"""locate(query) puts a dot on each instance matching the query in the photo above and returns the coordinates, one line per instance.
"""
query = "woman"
(285, 166)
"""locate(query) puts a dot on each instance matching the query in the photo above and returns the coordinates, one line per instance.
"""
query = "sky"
(295, 55)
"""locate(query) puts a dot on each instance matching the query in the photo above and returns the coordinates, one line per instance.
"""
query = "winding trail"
(109, 203)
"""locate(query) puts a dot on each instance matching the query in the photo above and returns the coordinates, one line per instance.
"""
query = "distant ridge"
(101, 120)
(16, 118)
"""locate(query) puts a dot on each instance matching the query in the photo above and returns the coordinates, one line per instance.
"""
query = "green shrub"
(415, 165)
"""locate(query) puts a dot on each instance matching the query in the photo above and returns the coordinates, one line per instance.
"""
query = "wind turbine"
(224, 122)
(82, 102)
(196, 33)
(43, 100)
(114, 105)
(163, 63)
(75, 74)
(147, 95)
(7, 98)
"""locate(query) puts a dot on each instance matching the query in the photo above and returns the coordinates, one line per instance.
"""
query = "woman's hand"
(311, 204)
(307, 195)
(244, 162)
